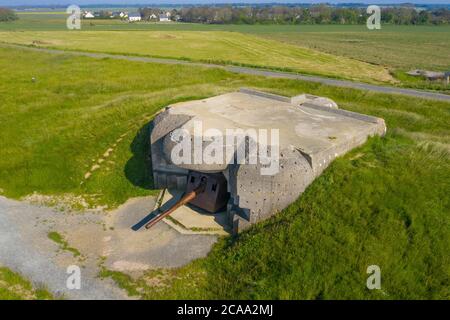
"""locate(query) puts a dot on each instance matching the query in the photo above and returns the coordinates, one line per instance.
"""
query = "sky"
(124, 2)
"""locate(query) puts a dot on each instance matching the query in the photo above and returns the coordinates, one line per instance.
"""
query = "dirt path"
(253, 71)
(100, 237)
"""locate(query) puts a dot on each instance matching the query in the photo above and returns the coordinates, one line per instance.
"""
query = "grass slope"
(76, 129)
(385, 203)
(374, 206)
(219, 47)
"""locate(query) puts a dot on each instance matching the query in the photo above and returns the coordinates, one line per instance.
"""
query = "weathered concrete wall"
(165, 174)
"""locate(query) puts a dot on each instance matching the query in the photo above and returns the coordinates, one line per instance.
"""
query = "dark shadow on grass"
(138, 168)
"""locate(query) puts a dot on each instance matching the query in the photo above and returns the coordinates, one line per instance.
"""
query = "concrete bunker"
(312, 131)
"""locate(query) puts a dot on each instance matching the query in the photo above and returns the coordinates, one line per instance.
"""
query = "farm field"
(76, 127)
(394, 48)
(216, 47)
(398, 48)
(405, 47)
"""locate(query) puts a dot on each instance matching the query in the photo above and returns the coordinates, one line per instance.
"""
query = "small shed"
(429, 75)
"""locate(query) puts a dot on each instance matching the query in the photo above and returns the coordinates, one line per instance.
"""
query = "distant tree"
(387, 15)
(424, 17)
(174, 15)
(345, 16)
(223, 15)
(104, 14)
(441, 16)
(405, 15)
(321, 13)
(7, 15)
(148, 13)
(290, 14)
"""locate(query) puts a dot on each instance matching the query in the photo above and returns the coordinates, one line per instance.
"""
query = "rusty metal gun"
(206, 191)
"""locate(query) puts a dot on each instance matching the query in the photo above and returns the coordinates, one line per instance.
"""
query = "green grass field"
(398, 48)
(391, 46)
(14, 287)
(394, 48)
(385, 203)
(217, 46)
(80, 114)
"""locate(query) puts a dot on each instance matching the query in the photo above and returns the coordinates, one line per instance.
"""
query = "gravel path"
(26, 248)
(254, 71)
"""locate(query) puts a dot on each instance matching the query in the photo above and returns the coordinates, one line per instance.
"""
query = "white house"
(88, 15)
(164, 17)
(134, 17)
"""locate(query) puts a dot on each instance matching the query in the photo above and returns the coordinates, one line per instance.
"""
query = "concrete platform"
(191, 220)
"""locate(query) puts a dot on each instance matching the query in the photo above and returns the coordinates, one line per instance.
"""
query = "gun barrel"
(185, 199)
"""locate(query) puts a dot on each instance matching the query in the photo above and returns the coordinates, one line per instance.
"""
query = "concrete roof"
(307, 127)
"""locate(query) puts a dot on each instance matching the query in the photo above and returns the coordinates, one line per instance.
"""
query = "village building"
(88, 15)
(133, 17)
(164, 17)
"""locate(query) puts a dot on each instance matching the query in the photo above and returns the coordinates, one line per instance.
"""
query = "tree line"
(7, 15)
(317, 14)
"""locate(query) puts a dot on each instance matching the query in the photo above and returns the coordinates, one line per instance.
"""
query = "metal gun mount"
(207, 191)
